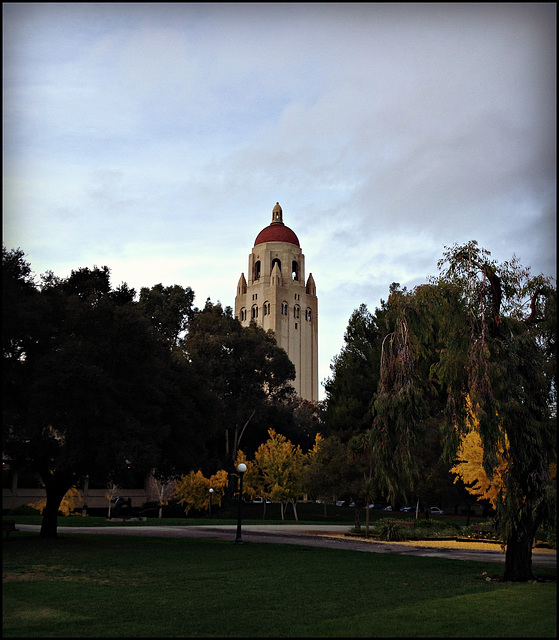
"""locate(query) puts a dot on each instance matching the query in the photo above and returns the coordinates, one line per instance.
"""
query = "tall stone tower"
(276, 297)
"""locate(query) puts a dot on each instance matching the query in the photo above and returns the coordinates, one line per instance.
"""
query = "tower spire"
(277, 214)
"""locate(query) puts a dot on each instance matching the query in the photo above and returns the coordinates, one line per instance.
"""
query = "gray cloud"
(156, 138)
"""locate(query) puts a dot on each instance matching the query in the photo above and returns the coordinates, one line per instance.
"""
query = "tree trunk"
(294, 503)
(518, 558)
(50, 512)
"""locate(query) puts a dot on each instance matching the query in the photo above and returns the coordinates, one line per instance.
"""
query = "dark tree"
(354, 379)
(468, 337)
(89, 387)
(245, 371)
(169, 308)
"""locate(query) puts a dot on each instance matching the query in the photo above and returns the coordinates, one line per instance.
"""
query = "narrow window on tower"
(257, 270)
(295, 270)
(276, 261)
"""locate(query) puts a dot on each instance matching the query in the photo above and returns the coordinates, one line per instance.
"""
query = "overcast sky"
(156, 139)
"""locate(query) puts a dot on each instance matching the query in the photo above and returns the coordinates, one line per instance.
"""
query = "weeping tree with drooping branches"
(480, 335)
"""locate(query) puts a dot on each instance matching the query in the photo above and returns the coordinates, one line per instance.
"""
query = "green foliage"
(548, 533)
(486, 532)
(247, 374)
(391, 531)
(89, 386)
(169, 309)
(355, 376)
(332, 472)
(483, 331)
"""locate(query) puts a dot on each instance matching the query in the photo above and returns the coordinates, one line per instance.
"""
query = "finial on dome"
(277, 214)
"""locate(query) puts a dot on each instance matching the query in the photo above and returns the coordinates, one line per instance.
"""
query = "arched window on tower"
(295, 270)
(257, 270)
(266, 308)
(308, 315)
(243, 314)
(296, 311)
(254, 312)
(276, 261)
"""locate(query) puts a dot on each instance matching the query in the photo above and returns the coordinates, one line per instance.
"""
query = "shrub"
(547, 534)
(481, 535)
(388, 530)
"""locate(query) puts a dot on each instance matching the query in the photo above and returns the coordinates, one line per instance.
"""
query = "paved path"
(327, 536)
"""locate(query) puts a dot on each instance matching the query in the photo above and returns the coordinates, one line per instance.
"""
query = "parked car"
(435, 511)
(339, 503)
(407, 509)
(258, 501)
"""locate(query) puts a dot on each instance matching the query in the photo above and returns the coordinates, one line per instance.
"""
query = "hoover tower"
(276, 296)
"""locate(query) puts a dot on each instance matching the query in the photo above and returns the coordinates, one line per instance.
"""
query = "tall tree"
(169, 308)
(89, 386)
(485, 332)
(355, 377)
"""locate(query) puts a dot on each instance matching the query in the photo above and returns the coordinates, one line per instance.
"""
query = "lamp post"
(241, 469)
(210, 511)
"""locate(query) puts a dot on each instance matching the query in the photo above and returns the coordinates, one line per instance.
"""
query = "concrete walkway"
(326, 536)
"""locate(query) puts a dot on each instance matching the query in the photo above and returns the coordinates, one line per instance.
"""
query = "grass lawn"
(115, 586)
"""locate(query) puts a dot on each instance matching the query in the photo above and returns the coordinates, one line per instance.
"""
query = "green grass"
(113, 586)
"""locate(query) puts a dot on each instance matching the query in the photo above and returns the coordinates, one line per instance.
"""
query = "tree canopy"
(476, 341)
(89, 386)
(246, 372)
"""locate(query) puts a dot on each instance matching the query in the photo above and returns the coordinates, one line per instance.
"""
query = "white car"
(435, 511)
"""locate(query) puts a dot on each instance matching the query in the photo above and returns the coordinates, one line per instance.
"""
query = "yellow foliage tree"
(281, 465)
(253, 480)
(193, 490)
(469, 464)
(69, 502)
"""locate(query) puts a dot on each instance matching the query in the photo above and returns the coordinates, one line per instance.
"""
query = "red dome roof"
(277, 232)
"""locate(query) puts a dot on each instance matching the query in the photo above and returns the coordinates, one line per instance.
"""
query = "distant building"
(276, 297)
